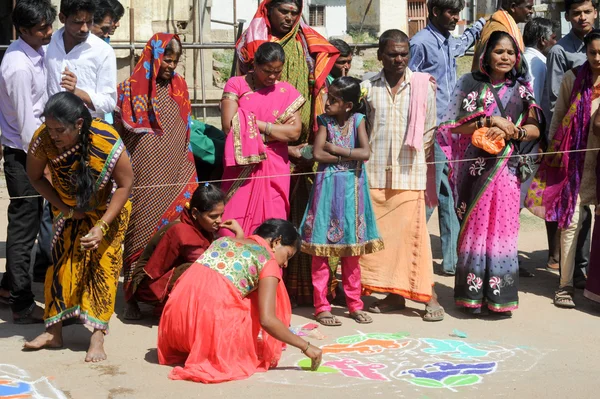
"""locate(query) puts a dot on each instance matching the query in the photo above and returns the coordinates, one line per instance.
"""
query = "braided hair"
(66, 108)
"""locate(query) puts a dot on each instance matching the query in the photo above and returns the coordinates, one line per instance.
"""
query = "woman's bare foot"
(51, 339)
(96, 352)
(132, 310)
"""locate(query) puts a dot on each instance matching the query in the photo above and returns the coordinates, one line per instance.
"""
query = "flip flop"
(361, 317)
(334, 322)
(379, 307)
(430, 310)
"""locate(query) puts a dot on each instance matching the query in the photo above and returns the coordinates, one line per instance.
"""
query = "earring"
(347, 109)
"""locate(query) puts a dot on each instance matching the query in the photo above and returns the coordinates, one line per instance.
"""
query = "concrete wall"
(335, 17)
(383, 15)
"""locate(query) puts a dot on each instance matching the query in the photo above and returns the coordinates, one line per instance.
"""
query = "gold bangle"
(268, 129)
(70, 214)
(103, 226)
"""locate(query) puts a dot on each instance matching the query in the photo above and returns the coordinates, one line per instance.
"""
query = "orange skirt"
(210, 328)
(405, 266)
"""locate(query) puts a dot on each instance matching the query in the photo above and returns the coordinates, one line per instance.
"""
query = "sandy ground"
(542, 352)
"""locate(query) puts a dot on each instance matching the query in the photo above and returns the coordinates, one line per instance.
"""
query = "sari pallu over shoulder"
(554, 190)
(472, 170)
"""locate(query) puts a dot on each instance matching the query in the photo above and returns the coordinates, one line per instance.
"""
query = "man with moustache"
(434, 50)
(401, 112)
(22, 98)
(81, 62)
(569, 53)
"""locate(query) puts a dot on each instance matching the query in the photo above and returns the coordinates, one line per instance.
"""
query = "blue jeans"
(449, 225)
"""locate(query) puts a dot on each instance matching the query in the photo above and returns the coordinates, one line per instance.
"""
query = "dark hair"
(103, 9)
(590, 37)
(174, 47)
(444, 5)
(206, 197)
(279, 228)
(269, 52)
(342, 46)
(29, 13)
(393, 35)
(275, 3)
(118, 9)
(349, 90)
(66, 108)
(536, 29)
(571, 3)
(520, 67)
(72, 7)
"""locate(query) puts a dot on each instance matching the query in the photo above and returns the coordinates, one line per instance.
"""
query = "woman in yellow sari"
(309, 58)
(92, 179)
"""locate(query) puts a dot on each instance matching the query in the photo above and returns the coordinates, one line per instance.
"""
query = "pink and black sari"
(261, 188)
(487, 190)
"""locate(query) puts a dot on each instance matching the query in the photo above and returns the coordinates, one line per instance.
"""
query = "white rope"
(311, 173)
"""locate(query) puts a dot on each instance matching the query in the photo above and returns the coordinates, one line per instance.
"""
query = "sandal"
(361, 317)
(434, 313)
(327, 319)
(563, 299)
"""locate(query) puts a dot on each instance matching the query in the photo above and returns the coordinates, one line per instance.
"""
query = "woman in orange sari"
(309, 58)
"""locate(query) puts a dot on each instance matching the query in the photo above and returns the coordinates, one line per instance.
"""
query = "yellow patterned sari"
(83, 284)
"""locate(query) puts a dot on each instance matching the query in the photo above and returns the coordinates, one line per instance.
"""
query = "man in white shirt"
(80, 62)
(22, 99)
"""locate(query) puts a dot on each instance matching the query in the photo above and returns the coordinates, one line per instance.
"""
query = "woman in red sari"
(153, 117)
(176, 246)
(261, 115)
(228, 316)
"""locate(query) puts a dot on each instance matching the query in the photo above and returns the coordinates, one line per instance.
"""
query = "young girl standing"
(339, 220)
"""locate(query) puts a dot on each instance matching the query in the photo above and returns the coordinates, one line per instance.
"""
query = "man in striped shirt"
(397, 175)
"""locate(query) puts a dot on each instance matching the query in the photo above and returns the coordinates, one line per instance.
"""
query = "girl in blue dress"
(339, 220)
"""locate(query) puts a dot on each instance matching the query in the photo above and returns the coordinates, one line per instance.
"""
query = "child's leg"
(320, 280)
(351, 282)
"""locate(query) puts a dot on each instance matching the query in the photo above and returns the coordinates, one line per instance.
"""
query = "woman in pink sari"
(261, 115)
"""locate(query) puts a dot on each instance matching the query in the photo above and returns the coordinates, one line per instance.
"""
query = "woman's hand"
(509, 128)
(294, 152)
(328, 147)
(233, 226)
(92, 239)
(495, 133)
(315, 355)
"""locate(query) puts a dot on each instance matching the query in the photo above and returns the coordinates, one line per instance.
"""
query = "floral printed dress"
(339, 219)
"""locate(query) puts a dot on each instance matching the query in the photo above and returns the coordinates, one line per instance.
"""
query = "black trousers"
(582, 255)
(23, 226)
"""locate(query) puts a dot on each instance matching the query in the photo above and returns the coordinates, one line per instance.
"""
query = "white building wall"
(222, 10)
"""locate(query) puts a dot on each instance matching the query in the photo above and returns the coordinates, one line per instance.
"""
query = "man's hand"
(69, 80)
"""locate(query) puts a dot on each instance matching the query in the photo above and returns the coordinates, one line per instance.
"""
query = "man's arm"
(468, 38)
(18, 87)
(557, 66)
(105, 97)
(417, 56)
(430, 118)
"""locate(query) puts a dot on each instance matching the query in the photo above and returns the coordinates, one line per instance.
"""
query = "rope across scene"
(315, 173)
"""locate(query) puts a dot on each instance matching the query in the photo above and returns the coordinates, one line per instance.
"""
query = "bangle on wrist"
(307, 346)
(268, 128)
(103, 226)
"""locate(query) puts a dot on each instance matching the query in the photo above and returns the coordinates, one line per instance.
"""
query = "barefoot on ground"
(52, 338)
(132, 311)
(96, 352)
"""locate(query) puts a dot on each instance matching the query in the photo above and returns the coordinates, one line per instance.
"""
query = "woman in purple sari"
(567, 179)
(261, 115)
(487, 187)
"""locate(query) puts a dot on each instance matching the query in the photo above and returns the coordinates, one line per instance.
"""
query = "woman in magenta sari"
(261, 115)
(487, 188)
